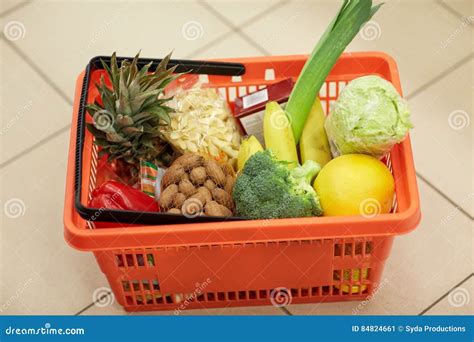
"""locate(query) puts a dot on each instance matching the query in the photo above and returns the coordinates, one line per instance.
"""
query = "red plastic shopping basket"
(245, 263)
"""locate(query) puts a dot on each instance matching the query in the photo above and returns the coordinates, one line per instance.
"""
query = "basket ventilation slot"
(357, 248)
(147, 292)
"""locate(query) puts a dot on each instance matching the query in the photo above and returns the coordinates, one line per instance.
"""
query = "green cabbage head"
(368, 117)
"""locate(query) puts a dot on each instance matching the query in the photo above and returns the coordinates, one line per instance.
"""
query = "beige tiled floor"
(429, 270)
(457, 302)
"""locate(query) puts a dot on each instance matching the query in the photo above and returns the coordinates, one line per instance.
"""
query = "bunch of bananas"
(278, 134)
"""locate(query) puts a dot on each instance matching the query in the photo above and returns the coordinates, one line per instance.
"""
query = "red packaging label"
(249, 109)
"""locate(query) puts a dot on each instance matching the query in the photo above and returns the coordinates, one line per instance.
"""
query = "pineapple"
(127, 123)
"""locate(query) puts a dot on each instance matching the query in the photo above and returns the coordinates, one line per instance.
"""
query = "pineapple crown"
(127, 123)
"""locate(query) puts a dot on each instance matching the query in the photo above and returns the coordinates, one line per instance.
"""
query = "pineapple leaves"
(130, 130)
(107, 96)
(163, 64)
(93, 108)
(133, 69)
(138, 101)
(159, 112)
(124, 120)
(134, 105)
(98, 134)
(102, 143)
(115, 138)
(114, 71)
(141, 116)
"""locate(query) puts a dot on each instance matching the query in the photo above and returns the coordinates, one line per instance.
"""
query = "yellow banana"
(278, 133)
(248, 147)
(314, 143)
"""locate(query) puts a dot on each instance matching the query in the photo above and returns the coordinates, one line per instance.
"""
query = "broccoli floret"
(268, 188)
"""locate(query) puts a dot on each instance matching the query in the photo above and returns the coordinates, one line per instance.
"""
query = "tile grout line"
(286, 311)
(84, 309)
(92, 304)
(208, 45)
(53, 135)
(35, 146)
(418, 91)
(233, 30)
(442, 194)
(440, 76)
(451, 10)
(237, 29)
(249, 40)
(445, 295)
(253, 43)
(66, 98)
(14, 8)
(37, 69)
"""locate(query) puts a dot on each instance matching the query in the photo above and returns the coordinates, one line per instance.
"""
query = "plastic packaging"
(203, 123)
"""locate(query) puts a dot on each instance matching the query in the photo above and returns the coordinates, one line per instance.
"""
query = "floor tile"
(422, 266)
(421, 51)
(233, 46)
(115, 309)
(443, 135)
(6, 5)
(40, 273)
(241, 11)
(88, 29)
(460, 301)
(31, 110)
(463, 7)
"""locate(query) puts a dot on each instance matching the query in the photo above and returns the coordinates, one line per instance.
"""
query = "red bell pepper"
(116, 170)
(119, 196)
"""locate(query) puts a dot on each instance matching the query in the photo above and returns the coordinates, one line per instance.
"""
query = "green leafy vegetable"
(268, 188)
(368, 117)
(340, 32)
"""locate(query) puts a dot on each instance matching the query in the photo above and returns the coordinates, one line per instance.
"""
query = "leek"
(340, 32)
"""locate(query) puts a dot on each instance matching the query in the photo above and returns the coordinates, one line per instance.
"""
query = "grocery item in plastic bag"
(202, 123)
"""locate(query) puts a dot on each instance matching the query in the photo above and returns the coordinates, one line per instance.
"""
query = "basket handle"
(184, 65)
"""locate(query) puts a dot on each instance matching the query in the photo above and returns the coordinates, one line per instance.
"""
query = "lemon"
(355, 184)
